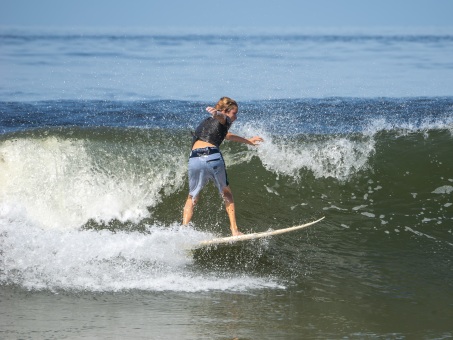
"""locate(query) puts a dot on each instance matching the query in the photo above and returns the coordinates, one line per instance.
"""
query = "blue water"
(94, 138)
(141, 65)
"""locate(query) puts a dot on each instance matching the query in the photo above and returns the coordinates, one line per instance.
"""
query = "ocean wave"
(100, 209)
(68, 178)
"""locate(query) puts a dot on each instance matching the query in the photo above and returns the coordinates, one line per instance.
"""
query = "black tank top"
(212, 131)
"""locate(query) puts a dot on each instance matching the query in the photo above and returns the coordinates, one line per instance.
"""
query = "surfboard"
(245, 237)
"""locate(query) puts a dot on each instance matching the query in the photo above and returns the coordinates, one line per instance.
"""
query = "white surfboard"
(232, 239)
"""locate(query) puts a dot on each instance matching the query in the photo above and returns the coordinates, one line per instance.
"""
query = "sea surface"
(95, 132)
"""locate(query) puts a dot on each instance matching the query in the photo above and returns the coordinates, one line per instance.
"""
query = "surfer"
(206, 162)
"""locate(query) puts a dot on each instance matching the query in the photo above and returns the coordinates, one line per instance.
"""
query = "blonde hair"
(226, 104)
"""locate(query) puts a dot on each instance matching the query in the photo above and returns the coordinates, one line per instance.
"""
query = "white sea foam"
(63, 183)
(338, 158)
(406, 128)
(60, 259)
(445, 189)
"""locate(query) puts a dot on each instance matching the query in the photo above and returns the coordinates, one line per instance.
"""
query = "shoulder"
(221, 120)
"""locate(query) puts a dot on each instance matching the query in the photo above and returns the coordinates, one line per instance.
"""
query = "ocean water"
(94, 139)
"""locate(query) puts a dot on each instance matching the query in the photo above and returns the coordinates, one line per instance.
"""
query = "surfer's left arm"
(256, 140)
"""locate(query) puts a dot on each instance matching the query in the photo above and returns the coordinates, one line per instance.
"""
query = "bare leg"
(230, 209)
(188, 209)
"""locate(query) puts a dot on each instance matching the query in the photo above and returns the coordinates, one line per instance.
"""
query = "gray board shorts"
(204, 165)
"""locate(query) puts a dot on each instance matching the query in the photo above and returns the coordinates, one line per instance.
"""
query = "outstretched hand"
(256, 140)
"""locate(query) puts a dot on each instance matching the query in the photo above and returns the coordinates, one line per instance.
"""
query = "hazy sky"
(233, 13)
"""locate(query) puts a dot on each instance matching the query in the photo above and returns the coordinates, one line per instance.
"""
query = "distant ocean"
(95, 131)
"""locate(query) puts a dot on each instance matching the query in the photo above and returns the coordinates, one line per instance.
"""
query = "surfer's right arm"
(220, 116)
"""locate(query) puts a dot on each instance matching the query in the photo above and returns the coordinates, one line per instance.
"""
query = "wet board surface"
(245, 237)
